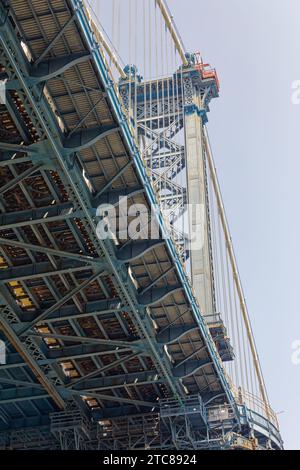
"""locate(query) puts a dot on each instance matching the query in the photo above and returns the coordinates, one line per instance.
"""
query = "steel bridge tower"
(169, 115)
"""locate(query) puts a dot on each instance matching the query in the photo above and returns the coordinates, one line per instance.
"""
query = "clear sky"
(255, 130)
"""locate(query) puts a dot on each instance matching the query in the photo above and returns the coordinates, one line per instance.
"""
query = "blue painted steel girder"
(39, 215)
(107, 307)
(113, 196)
(52, 251)
(65, 353)
(136, 249)
(36, 392)
(190, 367)
(88, 137)
(47, 69)
(156, 295)
(53, 67)
(38, 270)
(173, 333)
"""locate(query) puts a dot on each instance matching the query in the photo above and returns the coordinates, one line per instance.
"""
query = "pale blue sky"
(254, 131)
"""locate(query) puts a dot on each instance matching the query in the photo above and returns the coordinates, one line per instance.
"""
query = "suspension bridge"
(115, 342)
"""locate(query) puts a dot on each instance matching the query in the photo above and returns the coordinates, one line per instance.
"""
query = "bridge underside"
(99, 332)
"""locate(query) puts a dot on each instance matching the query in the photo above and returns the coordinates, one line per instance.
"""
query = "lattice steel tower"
(169, 115)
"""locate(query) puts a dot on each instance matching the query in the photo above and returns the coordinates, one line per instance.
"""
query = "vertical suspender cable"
(236, 276)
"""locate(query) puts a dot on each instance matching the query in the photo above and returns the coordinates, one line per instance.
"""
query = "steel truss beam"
(15, 395)
(136, 249)
(115, 398)
(6, 159)
(107, 307)
(190, 367)
(134, 345)
(156, 295)
(51, 251)
(32, 392)
(16, 148)
(16, 116)
(113, 197)
(45, 269)
(51, 68)
(119, 381)
(113, 179)
(18, 179)
(54, 41)
(40, 215)
(172, 29)
(36, 368)
(88, 137)
(87, 350)
(48, 69)
(25, 423)
(66, 353)
(103, 369)
(60, 302)
(174, 333)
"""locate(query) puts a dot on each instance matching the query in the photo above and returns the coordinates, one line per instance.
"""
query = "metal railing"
(255, 404)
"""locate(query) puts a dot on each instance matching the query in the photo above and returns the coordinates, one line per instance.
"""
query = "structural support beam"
(88, 137)
(37, 371)
(45, 269)
(103, 369)
(157, 279)
(15, 148)
(51, 251)
(15, 395)
(210, 397)
(114, 398)
(113, 197)
(136, 249)
(69, 312)
(156, 295)
(174, 333)
(134, 345)
(61, 302)
(23, 424)
(6, 159)
(18, 179)
(20, 383)
(117, 412)
(113, 179)
(17, 118)
(65, 353)
(32, 392)
(54, 41)
(123, 380)
(11, 48)
(84, 350)
(53, 67)
(190, 367)
(39, 215)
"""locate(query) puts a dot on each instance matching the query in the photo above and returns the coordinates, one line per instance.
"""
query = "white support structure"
(200, 265)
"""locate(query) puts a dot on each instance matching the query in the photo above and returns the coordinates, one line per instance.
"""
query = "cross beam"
(39, 215)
